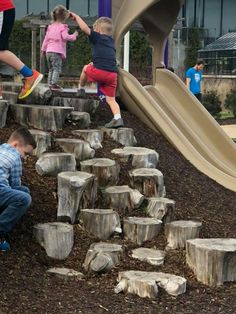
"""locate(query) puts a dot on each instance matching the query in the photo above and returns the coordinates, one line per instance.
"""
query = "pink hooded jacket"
(56, 38)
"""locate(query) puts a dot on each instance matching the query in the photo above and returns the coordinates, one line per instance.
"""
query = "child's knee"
(25, 199)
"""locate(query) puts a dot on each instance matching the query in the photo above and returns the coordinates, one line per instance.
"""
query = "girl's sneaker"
(4, 244)
(30, 83)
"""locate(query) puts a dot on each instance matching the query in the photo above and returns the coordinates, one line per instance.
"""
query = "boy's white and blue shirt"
(10, 166)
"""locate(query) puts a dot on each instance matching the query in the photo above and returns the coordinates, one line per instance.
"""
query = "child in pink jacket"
(54, 44)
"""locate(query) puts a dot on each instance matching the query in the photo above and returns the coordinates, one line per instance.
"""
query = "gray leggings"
(54, 61)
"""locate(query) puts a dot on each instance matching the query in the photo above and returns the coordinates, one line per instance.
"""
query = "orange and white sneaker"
(30, 83)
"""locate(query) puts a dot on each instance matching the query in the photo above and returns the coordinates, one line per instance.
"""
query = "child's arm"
(83, 26)
(67, 37)
(45, 43)
(15, 175)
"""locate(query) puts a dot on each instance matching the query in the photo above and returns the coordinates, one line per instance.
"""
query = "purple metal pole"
(166, 55)
(105, 8)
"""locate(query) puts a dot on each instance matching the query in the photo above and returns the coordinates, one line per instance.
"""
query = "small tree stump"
(212, 260)
(141, 157)
(10, 97)
(56, 238)
(102, 256)
(151, 256)
(40, 95)
(82, 105)
(141, 229)
(46, 118)
(149, 182)
(178, 232)
(145, 284)
(124, 136)
(102, 223)
(81, 119)
(53, 163)
(93, 137)
(161, 208)
(123, 198)
(79, 148)
(106, 170)
(43, 140)
(3, 113)
(76, 190)
(11, 87)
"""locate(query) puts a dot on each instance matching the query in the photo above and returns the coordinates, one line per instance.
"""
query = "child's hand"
(43, 53)
(76, 34)
(72, 15)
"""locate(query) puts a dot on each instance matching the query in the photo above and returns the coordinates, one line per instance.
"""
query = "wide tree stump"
(212, 260)
(102, 223)
(150, 256)
(81, 119)
(11, 87)
(102, 256)
(161, 208)
(51, 164)
(76, 190)
(79, 148)
(149, 182)
(178, 232)
(106, 170)
(124, 136)
(141, 229)
(82, 105)
(92, 136)
(65, 272)
(3, 113)
(10, 97)
(140, 157)
(123, 198)
(43, 140)
(41, 95)
(56, 238)
(46, 118)
(145, 284)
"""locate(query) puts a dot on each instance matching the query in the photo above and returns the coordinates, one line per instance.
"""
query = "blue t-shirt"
(195, 77)
(104, 52)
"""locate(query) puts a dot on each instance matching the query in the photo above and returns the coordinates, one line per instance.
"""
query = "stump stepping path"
(43, 140)
(81, 105)
(124, 136)
(81, 119)
(92, 136)
(4, 105)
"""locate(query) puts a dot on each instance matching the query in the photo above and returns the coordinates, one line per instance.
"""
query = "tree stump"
(102, 223)
(79, 148)
(93, 137)
(10, 97)
(123, 198)
(106, 171)
(102, 256)
(53, 163)
(11, 87)
(212, 260)
(161, 208)
(178, 232)
(82, 105)
(40, 95)
(145, 284)
(76, 190)
(141, 229)
(81, 119)
(56, 238)
(3, 113)
(43, 140)
(46, 118)
(140, 157)
(65, 272)
(151, 256)
(124, 136)
(149, 182)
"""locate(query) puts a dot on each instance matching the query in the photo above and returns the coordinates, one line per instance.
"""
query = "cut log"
(102, 256)
(65, 272)
(76, 190)
(53, 163)
(178, 232)
(11, 87)
(145, 284)
(82, 105)
(3, 113)
(10, 97)
(43, 140)
(93, 137)
(140, 157)
(141, 229)
(102, 223)
(41, 95)
(212, 260)
(106, 170)
(124, 136)
(79, 148)
(46, 118)
(81, 119)
(151, 256)
(123, 198)
(149, 182)
(56, 238)
(161, 208)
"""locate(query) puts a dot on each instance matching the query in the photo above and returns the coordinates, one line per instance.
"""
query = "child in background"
(14, 198)
(103, 68)
(7, 18)
(54, 44)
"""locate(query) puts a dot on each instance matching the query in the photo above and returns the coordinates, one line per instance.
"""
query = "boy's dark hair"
(200, 61)
(22, 134)
(60, 13)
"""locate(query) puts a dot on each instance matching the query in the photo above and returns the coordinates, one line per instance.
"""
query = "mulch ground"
(27, 288)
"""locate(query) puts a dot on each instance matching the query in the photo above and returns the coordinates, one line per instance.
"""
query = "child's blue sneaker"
(4, 244)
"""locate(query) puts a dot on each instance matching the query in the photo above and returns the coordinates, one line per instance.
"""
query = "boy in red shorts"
(7, 18)
(103, 69)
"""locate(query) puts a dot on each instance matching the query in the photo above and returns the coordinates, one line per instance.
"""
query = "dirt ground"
(27, 288)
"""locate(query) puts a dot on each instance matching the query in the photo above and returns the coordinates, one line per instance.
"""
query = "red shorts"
(107, 80)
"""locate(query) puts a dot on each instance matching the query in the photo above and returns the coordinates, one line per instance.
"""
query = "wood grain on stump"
(81, 119)
(161, 208)
(10, 97)
(82, 105)
(3, 113)
(124, 136)
(150, 256)
(40, 95)
(92, 136)
(11, 87)
(43, 140)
